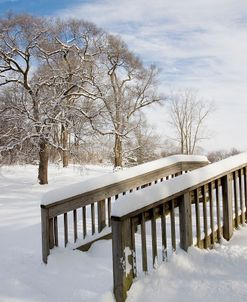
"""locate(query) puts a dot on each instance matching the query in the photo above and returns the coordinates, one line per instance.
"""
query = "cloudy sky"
(199, 44)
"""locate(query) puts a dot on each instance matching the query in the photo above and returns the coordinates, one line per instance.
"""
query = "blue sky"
(199, 44)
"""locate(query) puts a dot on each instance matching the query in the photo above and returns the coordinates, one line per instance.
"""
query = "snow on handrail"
(119, 176)
(140, 199)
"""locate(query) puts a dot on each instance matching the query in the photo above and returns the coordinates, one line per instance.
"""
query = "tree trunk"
(118, 156)
(43, 163)
(65, 140)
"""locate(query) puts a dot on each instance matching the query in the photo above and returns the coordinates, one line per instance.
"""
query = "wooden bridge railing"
(211, 201)
(70, 210)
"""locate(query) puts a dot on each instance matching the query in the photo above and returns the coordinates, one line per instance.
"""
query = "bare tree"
(188, 114)
(124, 86)
(50, 63)
(143, 145)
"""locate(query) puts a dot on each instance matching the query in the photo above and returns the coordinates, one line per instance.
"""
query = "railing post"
(101, 215)
(122, 253)
(185, 221)
(226, 183)
(45, 228)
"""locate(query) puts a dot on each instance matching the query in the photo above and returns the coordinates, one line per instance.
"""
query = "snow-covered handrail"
(217, 192)
(97, 194)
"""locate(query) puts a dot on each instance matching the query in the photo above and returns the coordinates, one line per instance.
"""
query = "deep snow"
(217, 275)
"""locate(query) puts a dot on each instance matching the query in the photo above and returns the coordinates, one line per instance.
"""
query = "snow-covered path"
(217, 275)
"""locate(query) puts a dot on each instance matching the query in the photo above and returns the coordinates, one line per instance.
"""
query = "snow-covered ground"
(217, 275)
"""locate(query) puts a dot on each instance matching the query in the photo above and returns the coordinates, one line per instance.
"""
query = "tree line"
(66, 82)
(70, 91)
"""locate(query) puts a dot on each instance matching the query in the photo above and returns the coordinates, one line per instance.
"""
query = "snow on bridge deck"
(217, 275)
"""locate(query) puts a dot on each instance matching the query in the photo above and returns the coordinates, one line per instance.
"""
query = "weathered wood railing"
(211, 201)
(93, 198)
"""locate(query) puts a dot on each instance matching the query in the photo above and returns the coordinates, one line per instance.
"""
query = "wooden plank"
(154, 238)
(55, 231)
(101, 215)
(218, 209)
(163, 233)
(65, 223)
(240, 175)
(235, 180)
(51, 234)
(133, 250)
(93, 218)
(144, 243)
(122, 258)
(173, 229)
(226, 183)
(84, 222)
(205, 216)
(86, 246)
(45, 234)
(198, 222)
(211, 212)
(75, 225)
(245, 191)
(109, 210)
(185, 221)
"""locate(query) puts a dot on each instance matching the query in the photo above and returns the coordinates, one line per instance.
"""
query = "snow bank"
(200, 275)
(139, 199)
(111, 178)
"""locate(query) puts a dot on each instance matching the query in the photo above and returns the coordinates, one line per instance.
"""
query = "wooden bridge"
(211, 201)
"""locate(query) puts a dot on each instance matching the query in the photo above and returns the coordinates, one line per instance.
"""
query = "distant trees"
(217, 155)
(64, 81)
(188, 114)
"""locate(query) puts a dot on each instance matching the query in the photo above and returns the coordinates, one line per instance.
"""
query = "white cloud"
(197, 43)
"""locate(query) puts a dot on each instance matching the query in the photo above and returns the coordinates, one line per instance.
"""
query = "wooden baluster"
(133, 250)
(51, 234)
(55, 231)
(235, 199)
(211, 211)
(240, 175)
(173, 230)
(205, 218)
(245, 191)
(93, 218)
(84, 222)
(65, 224)
(109, 210)
(218, 209)
(198, 222)
(163, 233)
(154, 237)
(101, 215)
(75, 225)
(144, 243)
(226, 183)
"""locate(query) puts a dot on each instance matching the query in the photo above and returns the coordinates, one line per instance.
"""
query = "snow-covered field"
(217, 275)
